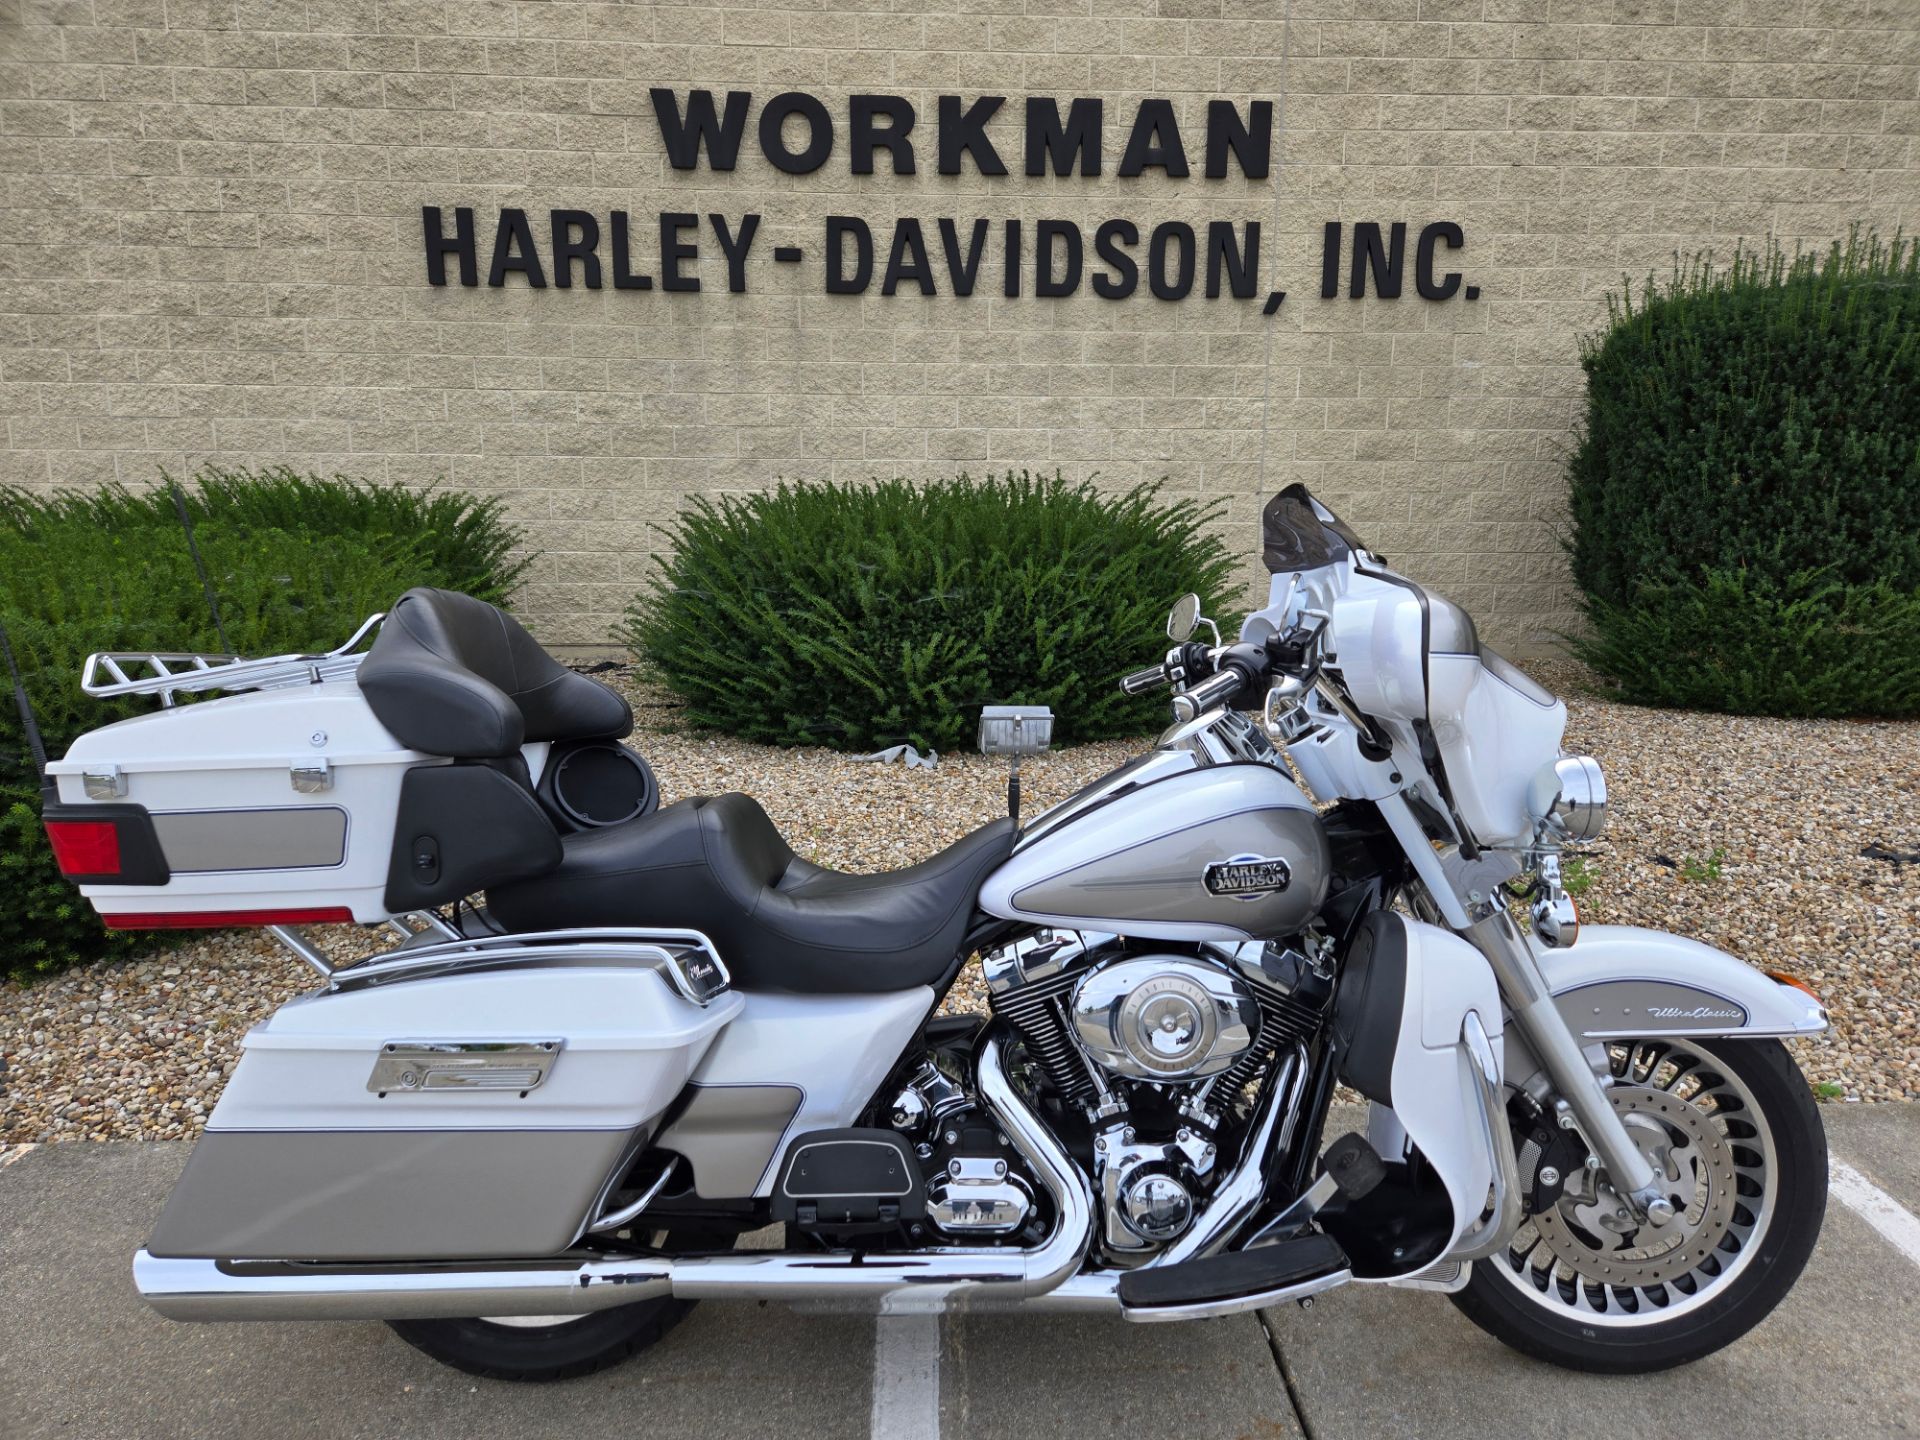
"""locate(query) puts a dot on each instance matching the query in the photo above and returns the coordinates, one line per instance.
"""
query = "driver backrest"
(451, 675)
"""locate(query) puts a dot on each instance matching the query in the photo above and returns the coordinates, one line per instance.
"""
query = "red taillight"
(85, 847)
(221, 919)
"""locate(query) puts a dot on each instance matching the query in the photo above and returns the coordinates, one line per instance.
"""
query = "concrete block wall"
(212, 250)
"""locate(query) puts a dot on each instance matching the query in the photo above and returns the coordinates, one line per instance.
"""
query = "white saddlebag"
(480, 1113)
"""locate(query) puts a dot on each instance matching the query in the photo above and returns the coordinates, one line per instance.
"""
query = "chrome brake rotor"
(1592, 1231)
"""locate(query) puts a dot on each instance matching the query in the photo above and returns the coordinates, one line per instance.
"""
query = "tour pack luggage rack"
(168, 675)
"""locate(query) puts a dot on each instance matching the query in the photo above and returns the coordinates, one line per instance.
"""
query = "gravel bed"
(1748, 834)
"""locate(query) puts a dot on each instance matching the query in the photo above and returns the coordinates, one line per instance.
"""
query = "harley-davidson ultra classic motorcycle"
(529, 1133)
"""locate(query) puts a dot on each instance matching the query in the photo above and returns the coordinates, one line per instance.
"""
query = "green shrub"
(857, 616)
(111, 571)
(464, 540)
(1746, 495)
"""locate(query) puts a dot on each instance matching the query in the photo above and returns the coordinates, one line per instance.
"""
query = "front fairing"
(1412, 660)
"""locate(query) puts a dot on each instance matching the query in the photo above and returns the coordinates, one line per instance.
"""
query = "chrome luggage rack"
(168, 675)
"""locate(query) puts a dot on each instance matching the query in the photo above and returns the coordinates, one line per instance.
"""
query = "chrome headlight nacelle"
(1569, 798)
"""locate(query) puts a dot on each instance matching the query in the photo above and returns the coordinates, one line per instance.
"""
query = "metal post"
(300, 945)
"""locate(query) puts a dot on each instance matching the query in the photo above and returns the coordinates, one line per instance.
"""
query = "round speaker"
(595, 783)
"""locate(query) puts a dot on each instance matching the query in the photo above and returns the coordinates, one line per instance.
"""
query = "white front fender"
(1622, 981)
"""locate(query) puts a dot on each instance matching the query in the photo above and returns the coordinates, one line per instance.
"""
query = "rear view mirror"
(1185, 616)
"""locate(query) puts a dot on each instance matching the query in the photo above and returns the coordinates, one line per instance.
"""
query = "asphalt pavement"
(80, 1356)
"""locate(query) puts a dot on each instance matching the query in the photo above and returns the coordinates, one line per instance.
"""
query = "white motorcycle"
(529, 1133)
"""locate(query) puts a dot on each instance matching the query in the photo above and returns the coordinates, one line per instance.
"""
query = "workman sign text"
(1114, 259)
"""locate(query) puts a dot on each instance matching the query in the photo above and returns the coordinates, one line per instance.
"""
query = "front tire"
(558, 1347)
(1733, 1128)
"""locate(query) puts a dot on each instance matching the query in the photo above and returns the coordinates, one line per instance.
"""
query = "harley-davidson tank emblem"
(1247, 877)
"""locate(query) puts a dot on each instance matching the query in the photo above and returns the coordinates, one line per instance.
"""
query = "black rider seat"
(719, 866)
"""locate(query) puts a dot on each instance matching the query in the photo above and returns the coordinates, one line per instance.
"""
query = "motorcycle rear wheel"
(1735, 1123)
(557, 1347)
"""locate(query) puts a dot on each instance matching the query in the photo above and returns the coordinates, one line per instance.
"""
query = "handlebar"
(1216, 689)
(1141, 681)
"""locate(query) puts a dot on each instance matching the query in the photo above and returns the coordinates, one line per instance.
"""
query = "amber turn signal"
(1797, 983)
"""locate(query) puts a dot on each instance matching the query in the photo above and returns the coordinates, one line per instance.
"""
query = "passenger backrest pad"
(451, 675)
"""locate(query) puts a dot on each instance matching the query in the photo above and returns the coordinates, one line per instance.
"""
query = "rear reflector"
(221, 919)
(85, 847)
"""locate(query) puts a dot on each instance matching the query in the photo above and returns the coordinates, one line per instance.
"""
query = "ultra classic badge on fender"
(1247, 876)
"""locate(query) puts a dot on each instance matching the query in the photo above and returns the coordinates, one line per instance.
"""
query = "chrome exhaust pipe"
(930, 1280)
(292, 1290)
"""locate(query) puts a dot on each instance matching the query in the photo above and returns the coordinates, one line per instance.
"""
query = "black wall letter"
(735, 249)
(1423, 280)
(839, 227)
(1180, 235)
(1045, 283)
(1223, 251)
(906, 236)
(673, 250)
(961, 273)
(819, 133)
(623, 276)
(566, 249)
(866, 137)
(513, 231)
(683, 138)
(1251, 144)
(1047, 139)
(438, 245)
(1368, 254)
(968, 133)
(1125, 278)
(1330, 261)
(1155, 141)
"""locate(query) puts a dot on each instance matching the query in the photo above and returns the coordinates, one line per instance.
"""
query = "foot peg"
(1350, 1167)
(1353, 1165)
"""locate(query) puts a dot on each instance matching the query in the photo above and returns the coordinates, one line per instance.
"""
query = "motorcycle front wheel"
(1736, 1142)
(555, 1347)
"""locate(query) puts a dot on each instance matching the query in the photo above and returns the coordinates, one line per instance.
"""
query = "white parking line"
(906, 1377)
(1873, 1205)
(11, 1153)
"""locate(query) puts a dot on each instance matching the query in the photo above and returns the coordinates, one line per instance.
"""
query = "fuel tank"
(1221, 852)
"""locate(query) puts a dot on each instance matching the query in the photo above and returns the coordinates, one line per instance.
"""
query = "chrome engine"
(974, 1185)
(1157, 1051)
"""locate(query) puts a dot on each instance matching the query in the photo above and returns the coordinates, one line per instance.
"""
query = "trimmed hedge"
(1746, 495)
(858, 616)
(296, 562)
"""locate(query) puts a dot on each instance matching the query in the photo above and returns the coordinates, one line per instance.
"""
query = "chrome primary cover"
(1227, 852)
(1163, 1017)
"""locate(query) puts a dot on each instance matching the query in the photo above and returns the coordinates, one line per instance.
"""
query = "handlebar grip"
(1217, 688)
(1141, 681)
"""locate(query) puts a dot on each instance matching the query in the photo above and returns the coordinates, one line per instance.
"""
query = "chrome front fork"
(1539, 1019)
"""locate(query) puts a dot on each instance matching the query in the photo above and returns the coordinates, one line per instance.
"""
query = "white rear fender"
(1619, 981)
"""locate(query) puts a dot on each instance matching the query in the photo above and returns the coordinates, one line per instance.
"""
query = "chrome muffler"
(930, 1280)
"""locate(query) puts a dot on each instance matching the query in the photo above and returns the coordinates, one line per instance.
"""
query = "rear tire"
(567, 1348)
(1567, 1315)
